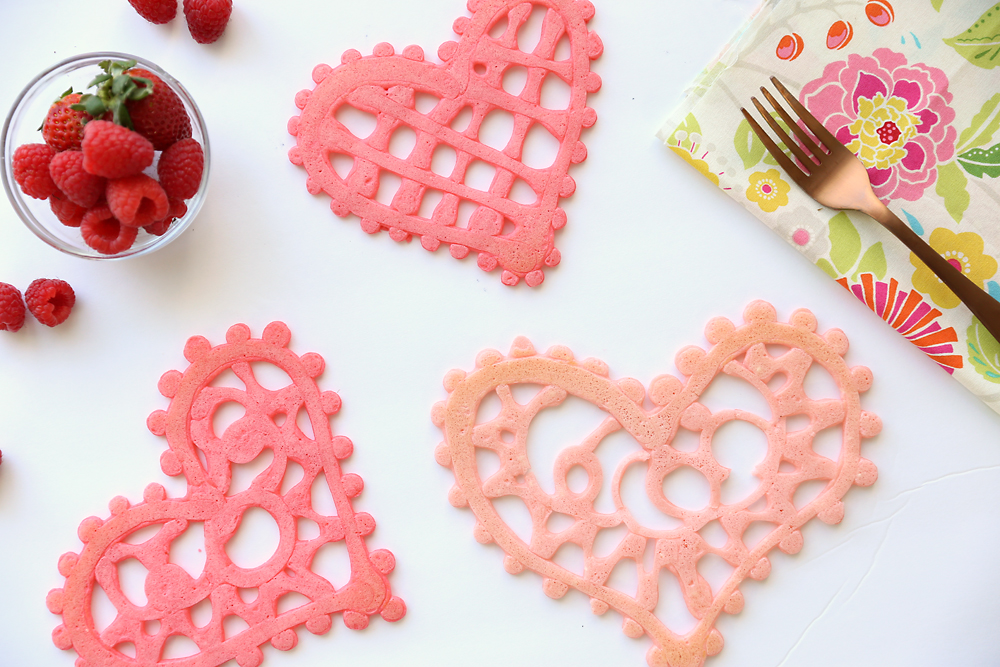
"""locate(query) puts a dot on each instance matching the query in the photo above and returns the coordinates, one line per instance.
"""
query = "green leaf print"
(845, 243)
(936, 4)
(873, 262)
(980, 44)
(748, 146)
(984, 351)
(980, 163)
(827, 268)
(986, 122)
(689, 126)
(951, 184)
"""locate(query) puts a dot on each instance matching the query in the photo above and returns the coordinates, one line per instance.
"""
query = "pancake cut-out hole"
(126, 649)
(322, 498)
(625, 577)
(497, 129)
(638, 503)
(487, 462)
(333, 562)
(670, 607)
(201, 613)
(151, 627)
(577, 479)
(294, 473)
(443, 160)
(524, 392)
(227, 378)
(359, 123)
(556, 428)
(132, 580)
(244, 474)
(342, 164)
(388, 185)
(786, 467)
(479, 175)
(829, 442)
(306, 529)
(715, 570)
(687, 488)
(225, 415)
(522, 193)
(556, 93)
(686, 441)
(730, 393)
(570, 557)
(304, 423)
(465, 210)
(611, 451)
(143, 534)
(609, 539)
(508, 229)
(187, 550)
(756, 532)
(101, 608)
(402, 141)
(425, 102)
(714, 534)
(480, 69)
(540, 148)
(514, 79)
(233, 625)
(777, 381)
(269, 376)
(507, 436)
(739, 446)
(462, 120)
(489, 408)
(564, 50)
(820, 384)
(429, 202)
(776, 351)
(797, 423)
(499, 27)
(248, 595)
(530, 32)
(559, 522)
(279, 419)
(808, 491)
(179, 646)
(515, 514)
(290, 601)
(255, 540)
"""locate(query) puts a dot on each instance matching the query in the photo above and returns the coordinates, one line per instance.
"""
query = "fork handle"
(983, 306)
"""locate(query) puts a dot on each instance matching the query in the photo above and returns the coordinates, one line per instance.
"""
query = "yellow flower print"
(963, 251)
(700, 165)
(883, 127)
(768, 190)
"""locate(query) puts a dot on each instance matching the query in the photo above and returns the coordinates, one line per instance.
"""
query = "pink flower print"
(896, 117)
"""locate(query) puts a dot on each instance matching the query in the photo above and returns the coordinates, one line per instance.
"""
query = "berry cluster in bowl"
(112, 167)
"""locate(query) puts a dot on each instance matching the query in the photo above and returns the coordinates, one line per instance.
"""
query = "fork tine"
(786, 163)
(804, 159)
(817, 128)
(803, 136)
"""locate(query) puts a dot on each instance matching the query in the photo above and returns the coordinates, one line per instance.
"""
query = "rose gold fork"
(836, 178)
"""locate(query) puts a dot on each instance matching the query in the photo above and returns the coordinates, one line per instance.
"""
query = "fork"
(836, 178)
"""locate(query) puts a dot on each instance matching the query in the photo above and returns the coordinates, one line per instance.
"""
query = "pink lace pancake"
(517, 237)
(741, 352)
(206, 459)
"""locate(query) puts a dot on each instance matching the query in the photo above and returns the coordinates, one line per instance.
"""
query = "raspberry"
(180, 169)
(63, 127)
(11, 308)
(177, 210)
(31, 170)
(155, 11)
(113, 151)
(76, 183)
(102, 232)
(160, 117)
(207, 19)
(68, 213)
(137, 200)
(50, 300)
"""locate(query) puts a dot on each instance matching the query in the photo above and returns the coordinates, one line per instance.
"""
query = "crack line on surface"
(809, 627)
(871, 565)
(942, 478)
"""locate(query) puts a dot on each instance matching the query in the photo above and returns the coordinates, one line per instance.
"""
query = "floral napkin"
(913, 88)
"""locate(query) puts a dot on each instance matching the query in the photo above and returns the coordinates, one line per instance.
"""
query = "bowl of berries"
(105, 156)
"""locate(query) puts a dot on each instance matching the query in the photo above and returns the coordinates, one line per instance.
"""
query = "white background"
(651, 252)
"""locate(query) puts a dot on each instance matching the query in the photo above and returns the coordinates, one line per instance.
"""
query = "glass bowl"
(22, 127)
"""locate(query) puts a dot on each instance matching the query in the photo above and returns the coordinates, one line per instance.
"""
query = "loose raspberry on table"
(67, 212)
(11, 308)
(76, 183)
(137, 200)
(50, 300)
(155, 11)
(63, 127)
(102, 231)
(31, 170)
(161, 116)
(207, 19)
(180, 169)
(113, 151)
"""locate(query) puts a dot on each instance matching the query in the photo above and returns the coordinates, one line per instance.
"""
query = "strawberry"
(31, 170)
(207, 19)
(180, 169)
(76, 183)
(113, 151)
(160, 117)
(155, 11)
(63, 126)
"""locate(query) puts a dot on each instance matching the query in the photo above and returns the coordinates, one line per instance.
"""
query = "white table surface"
(651, 252)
